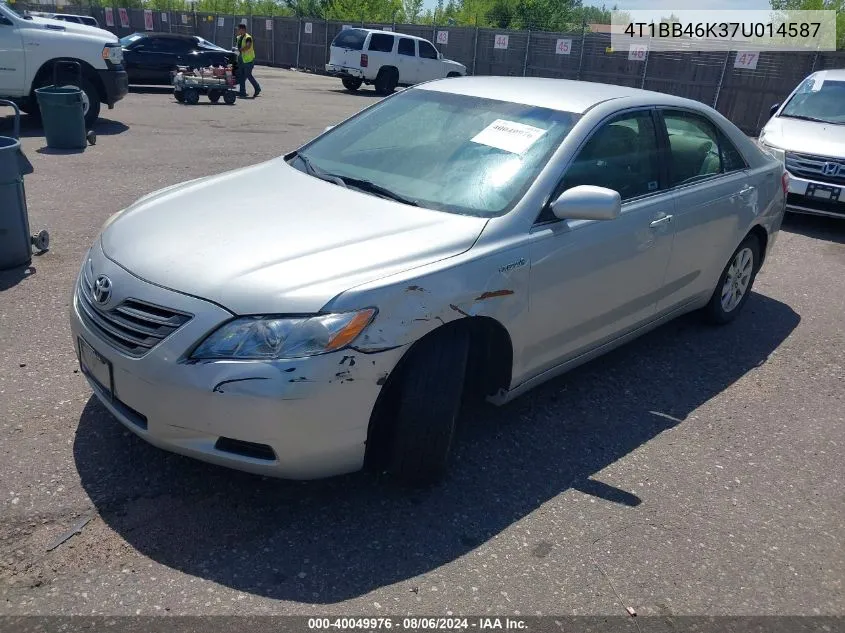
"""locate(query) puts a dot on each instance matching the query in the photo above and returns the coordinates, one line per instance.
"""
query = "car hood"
(72, 27)
(271, 239)
(452, 62)
(805, 137)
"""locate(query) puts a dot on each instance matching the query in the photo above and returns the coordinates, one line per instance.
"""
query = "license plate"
(824, 192)
(96, 367)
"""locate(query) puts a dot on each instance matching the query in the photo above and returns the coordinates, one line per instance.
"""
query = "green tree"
(816, 5)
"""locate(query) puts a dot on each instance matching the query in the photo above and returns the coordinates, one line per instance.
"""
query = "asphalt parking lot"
(696, 471)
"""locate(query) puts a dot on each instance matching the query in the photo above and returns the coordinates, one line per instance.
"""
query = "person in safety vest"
(246, 61)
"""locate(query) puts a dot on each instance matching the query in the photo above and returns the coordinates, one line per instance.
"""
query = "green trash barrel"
(62, 114)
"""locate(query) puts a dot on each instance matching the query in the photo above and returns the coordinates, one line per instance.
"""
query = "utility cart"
(215, 82)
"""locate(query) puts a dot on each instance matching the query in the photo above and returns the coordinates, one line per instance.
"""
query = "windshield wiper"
(315, 171)
(371, 187)
(802, 117)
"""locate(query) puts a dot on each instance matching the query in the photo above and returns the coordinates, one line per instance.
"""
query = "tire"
(386, 81)
(429, 399)
(351, 84)
(229, 97)
(214, 96)
(179, 96)
(735, 283)
(191, 96)
(90, 100)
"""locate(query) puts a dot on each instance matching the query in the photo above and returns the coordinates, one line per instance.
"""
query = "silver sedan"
(327, 310)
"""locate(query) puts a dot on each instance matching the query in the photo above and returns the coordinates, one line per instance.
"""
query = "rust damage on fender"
(415, 289)
(457, 309)
(494, 293)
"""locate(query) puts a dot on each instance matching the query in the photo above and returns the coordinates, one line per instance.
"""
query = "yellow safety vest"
(249, 55)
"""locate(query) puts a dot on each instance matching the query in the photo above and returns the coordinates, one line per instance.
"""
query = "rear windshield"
(351, 38)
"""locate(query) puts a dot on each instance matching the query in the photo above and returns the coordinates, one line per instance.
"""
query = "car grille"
(807, 202)
(812, 167)
(133, 326)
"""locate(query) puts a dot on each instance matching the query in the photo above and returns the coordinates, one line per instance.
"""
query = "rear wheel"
(229, 97)
(214, 96)
(428, 399)
(735, 283)
(351, 84)
(179, 96)
(386, 81)
(192, 96)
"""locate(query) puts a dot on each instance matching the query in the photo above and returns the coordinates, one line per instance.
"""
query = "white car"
(30, 47)
(807, 132)
(387, 60)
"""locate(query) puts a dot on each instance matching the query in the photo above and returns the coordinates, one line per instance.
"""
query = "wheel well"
(489, 369)
(46, 71)
(388, 69)
(453, 74)
(763, 238)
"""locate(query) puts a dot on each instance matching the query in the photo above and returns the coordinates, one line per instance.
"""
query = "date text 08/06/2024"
(417, 624)
(724, 30)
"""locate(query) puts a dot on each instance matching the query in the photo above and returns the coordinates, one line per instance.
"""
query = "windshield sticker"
(509, 136)
(818, 81)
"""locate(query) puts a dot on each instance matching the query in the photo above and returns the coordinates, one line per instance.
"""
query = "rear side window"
(698, 149)
(427, 50)
(406, 47)
(350, 38)
(381, 43)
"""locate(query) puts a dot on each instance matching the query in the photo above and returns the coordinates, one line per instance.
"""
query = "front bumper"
(302, 418)
(800, 201)
(343, 71)
(116, 84)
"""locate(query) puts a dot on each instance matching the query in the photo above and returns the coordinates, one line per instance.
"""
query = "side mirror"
(439, 55)
(587, 202)
(773, 109)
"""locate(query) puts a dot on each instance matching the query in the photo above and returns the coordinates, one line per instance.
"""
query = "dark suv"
(150, 58)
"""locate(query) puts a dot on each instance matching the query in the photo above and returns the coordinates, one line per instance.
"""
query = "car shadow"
(364, 91)
(31, 127)
(816, 226)
(325, 541)
(151, 90)
(11, 277)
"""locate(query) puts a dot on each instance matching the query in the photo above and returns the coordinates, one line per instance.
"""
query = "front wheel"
(735, 283)
(429, 398)
(192, 96)
(229, 97)
(351, 84)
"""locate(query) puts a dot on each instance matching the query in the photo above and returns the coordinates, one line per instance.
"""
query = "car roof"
(834, 74)
(558, 94)
(413, 37)
(175, 36)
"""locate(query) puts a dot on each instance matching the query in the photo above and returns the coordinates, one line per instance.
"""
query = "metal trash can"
(15, 241)
(62, 111)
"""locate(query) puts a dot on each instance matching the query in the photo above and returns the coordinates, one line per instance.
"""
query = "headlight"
(113, 53)
(771, 149)
(268, 338)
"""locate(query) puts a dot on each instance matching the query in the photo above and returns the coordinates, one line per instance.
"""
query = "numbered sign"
(637, 52)
(563, 47)
(164, 17)
(268, 25)
(346, 26)
(443, 37)
(501, 42)
(148, 20)
(124, 18)
(388, 28)
(746, 59)
(309, 28)
(184, 19)
(221, 21)
(109, 16)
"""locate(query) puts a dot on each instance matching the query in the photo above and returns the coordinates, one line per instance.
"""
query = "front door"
(12, 60)
(592, 281)
(430, 66)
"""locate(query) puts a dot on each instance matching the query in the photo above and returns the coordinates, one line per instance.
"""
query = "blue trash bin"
(16, 243)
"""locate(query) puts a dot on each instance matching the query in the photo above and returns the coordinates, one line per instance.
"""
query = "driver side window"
(622, 154)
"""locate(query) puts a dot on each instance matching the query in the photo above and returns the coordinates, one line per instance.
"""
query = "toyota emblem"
(102, 290)
(830, 169)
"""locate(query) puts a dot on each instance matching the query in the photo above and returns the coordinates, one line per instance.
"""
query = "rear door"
(347, 47)
(407, 60)
(380, 52)
(713, 191)
(430, 66)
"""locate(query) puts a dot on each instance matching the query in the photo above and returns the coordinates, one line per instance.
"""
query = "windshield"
(818, 99)
(202, 43)
(127, 40)
(444, 151)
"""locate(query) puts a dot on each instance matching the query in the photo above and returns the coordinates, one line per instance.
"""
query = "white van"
(387, 60)
(30, 47)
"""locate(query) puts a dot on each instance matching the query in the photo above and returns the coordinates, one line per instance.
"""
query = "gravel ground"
(695, 471)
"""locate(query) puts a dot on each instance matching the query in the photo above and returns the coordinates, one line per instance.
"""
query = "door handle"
(665, 219)
(746, 190)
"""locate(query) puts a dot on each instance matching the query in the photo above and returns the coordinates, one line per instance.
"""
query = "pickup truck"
(30, 46)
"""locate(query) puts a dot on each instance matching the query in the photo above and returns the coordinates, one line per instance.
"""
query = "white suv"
(387, 60)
